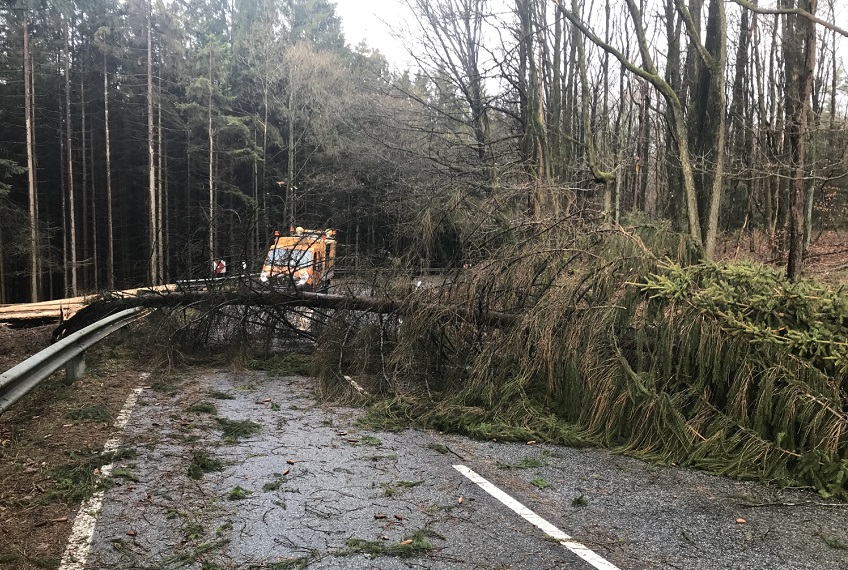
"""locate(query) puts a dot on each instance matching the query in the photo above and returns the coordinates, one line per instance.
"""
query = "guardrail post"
(75, 368)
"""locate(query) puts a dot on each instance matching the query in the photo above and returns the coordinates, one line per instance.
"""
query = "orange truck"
(302, 260)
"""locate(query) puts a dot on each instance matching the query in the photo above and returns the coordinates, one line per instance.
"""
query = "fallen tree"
(579, 337)
(247, 294)
(726, 367)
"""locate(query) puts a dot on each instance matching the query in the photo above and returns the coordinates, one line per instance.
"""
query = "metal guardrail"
(68, 353)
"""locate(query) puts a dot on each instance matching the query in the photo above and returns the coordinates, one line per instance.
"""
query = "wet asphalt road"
(313, 490)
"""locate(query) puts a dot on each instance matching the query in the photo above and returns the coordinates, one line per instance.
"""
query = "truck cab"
(303, 260)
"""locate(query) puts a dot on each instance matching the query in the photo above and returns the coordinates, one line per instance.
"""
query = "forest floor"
(827, 258)
(47, 443)
(49, 440)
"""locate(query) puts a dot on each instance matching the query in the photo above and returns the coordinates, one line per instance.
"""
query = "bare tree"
(707, 114)
(451, 41)
(648, 71)
(600, 176)
(799, 56)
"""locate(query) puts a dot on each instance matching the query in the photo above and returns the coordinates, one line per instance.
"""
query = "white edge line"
(577, 548)
(79, 543)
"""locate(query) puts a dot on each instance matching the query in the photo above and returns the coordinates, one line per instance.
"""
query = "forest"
(620, 196)
(142, 139)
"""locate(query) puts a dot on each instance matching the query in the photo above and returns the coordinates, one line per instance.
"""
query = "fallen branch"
(799, 504)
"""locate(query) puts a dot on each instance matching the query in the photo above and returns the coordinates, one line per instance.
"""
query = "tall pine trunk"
(33, 196)
(95, 257)
(110, 235)
(160, 207)
(211, 170)
(290, 206)
(151, 166)
(84, 190)
(72, 234)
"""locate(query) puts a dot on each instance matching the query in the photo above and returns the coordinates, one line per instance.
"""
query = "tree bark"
(600, 176)
(153, 261)
(95, 252)
(677, 197)
(214, 300)
(3, 271)
(84, 198)
(110, 236)
(160, 241)
(211, 169)
(707, 112)
(289, 214)
(799, 56)
(33, 195)
(555, 106)
(72, 234)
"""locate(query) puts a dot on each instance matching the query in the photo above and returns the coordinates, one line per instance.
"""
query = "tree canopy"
(153, 137)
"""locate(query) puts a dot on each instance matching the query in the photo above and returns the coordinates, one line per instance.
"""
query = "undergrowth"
(596, 335)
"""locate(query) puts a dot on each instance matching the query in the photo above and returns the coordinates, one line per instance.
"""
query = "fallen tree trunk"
(64, 309)
(107, 305)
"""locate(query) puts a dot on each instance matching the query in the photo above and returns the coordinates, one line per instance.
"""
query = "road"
(311, 489)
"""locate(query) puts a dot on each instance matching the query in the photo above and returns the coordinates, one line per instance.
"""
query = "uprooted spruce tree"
(616, 338)
(574, 332)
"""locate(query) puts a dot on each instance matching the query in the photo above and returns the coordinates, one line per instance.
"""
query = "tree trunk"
(211, 169)
(72, 234)
(84, 190)
(640, 200)
(63, 191)
(741, 123)
(673, 76)
(525, 151)
(608, 188)
(167, 214)
(707, 114)
(289, 210)
(153, 261)
(95, 253)
(263, 187)
(160, 242)
(41, 255)
(110, 236)
(3, 271)
(555, 107)
(33, 195)
(600, 176)
(800, 61)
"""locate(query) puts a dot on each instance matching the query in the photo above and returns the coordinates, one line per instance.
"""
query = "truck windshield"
(293, 258)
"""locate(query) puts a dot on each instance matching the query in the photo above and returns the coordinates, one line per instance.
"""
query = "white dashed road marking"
(79, 544)
(537, 521)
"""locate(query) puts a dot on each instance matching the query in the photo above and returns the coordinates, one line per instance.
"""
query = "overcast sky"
(370, 20)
